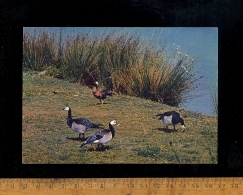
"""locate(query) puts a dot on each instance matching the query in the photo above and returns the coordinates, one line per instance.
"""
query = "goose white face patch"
(183, 127)
(113, 122)
(66, 109)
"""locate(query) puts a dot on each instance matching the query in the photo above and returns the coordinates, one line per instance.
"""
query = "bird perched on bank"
(171, 118)
(101, 94)
(79, 125)
(103, 136)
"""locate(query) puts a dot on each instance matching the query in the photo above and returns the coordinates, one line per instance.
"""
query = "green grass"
(141, 137)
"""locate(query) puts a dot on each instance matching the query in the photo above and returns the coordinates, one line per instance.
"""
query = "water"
(201, 44)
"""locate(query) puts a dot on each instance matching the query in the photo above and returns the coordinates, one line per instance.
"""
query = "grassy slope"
(141, 137)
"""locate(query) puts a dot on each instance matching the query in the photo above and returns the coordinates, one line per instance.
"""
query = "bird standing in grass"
(172, 118)
(79, 125)
(101, 94)
(103, 136)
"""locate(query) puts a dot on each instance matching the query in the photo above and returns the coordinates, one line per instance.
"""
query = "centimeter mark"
(123, 183)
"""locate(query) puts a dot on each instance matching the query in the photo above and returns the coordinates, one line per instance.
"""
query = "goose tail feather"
(83, 144)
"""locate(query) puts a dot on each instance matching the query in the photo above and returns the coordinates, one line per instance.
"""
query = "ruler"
(123, 186)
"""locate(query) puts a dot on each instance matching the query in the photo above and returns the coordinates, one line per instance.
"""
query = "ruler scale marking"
(132, 186)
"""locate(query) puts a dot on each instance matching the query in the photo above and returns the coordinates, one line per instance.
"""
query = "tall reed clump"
(137, 67)
(154, 77)
(80, 58)
(40, 51)
(214, 98)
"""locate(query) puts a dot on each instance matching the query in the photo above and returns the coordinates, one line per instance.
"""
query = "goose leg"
(172, 141)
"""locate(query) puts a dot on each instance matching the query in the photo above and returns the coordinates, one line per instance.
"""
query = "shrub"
(54, 72)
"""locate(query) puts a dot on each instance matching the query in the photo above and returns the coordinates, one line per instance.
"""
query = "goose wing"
(176, 118)
(174, 113)
(170, 113)
(95, 137)
(106, 93)
(85, 122)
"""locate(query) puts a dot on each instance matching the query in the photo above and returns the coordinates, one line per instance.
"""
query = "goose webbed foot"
(102, 147)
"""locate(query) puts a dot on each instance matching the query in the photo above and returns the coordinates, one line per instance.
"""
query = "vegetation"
(141, 137)
(137, 67)
(214, 98)
(140, 71)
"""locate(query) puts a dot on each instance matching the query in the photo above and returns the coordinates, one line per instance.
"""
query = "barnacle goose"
(79, 125)
(172, 118)
(103, 136)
